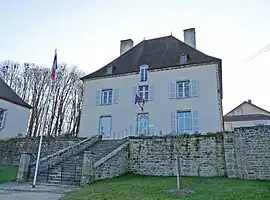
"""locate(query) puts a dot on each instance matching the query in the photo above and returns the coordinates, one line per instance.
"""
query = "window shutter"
(194, 88)
(116, 95)
(173, 123)
(98, 97)
(195, 121)
(151, 93)
(172, 90)
(134, 92)
(2, 126)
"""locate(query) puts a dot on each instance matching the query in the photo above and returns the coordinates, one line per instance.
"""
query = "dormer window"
(143, 73)
(183, 59)
(110, 69)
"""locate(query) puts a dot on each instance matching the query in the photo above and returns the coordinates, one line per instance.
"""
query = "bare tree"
(32, 83)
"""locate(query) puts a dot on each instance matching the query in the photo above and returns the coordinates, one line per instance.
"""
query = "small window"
(144, 92)
(238, 111)
(2, 118)
(183, 59)
(106, 97)
(109, 70)
(184, 121)
(183, 89)
(144, 73)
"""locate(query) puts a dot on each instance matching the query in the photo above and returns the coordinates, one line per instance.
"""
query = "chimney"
(125, 45)
(190, 37)
(249, 101)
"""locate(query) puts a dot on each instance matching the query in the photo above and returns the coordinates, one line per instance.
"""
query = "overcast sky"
(87, 33)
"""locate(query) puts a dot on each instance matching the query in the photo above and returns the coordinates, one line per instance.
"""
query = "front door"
(105, 126)
(143, 123)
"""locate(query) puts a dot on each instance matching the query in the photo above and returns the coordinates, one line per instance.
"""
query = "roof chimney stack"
(249, 101)
(125, 45)
(190, 37)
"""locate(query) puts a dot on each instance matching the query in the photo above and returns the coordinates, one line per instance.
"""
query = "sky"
(87, 34)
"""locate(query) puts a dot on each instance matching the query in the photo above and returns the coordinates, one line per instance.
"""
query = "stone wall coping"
(182, 136)
(110, 155)
(67, 148)
(46, 138)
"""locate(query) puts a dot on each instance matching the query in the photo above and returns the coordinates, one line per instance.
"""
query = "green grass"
(131, 187)
(8, 173)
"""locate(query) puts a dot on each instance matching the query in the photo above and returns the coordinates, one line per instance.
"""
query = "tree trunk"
(179, 178)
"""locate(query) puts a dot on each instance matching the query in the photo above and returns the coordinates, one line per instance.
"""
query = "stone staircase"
(68, 171)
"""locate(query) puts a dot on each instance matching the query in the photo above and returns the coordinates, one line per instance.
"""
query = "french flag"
(54, 66)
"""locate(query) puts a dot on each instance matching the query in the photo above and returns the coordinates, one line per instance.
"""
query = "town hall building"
(160, 86)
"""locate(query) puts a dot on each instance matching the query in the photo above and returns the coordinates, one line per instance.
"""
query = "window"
(110, 69)
(144, 73)
(2, 118)
(238, 111)
(183, 89)
(184, 122)
(144, 92)
(143, 124)
(106, 97)
(183, 59)
(105, 125)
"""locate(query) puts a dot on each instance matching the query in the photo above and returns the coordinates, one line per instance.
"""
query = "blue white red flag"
(140, 101)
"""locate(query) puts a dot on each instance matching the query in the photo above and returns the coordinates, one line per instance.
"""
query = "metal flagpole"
(39, 147)
(44, 127)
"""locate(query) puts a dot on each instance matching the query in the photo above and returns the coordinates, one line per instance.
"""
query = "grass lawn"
(8, 173)
(131, 187)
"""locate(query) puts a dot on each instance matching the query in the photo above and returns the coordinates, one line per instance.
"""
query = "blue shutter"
(116, 96)
(151, 93)
(173, 123)
(194, 90)
(98, 97)
(172, 90)
(195, 121)
(134, 92)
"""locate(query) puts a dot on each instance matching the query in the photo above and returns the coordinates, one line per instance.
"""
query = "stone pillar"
(87, 168)
(23, 168)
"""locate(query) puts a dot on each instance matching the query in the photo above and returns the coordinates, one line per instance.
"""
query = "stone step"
(68, 171)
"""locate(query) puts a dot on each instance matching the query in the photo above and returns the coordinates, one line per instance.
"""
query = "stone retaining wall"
(200, 155)
(115, 166)
(11, 149)
(247, 153)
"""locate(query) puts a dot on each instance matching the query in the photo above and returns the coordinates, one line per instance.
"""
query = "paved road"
(29, 196)
(15, 191)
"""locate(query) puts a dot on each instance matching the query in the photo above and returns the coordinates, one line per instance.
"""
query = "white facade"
(13, 119)
(162, 107)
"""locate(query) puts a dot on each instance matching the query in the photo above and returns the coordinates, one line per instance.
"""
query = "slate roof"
(250, 117)
(156, 53)
(7, 94)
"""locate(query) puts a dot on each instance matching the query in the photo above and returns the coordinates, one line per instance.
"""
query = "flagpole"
(43, 128)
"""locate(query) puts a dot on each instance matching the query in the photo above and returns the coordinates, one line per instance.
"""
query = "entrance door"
(105, 126)
(143, 124)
